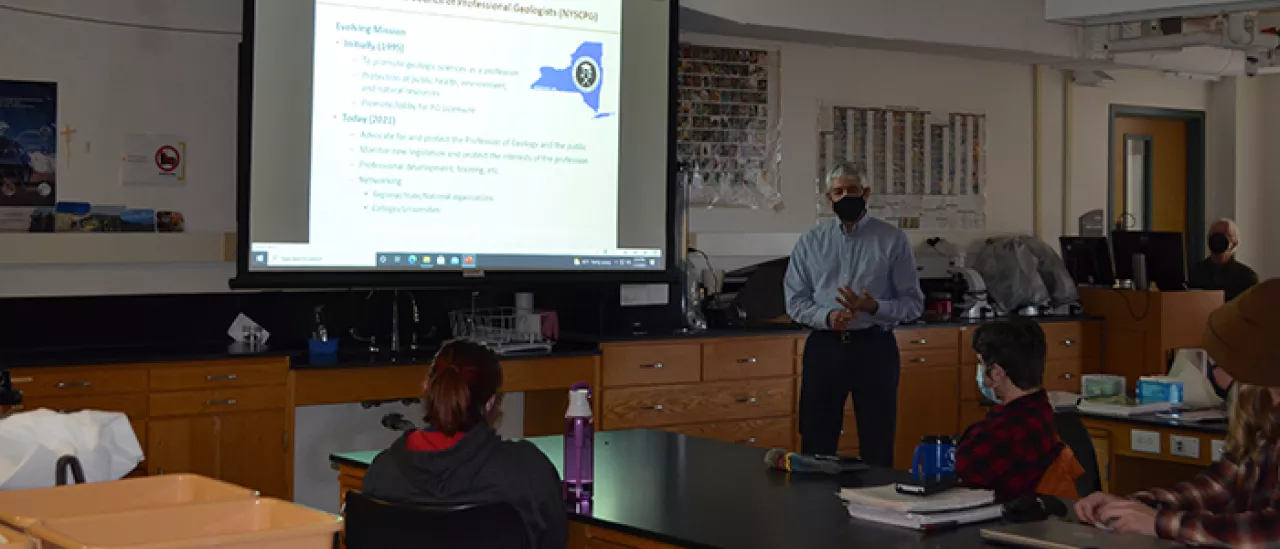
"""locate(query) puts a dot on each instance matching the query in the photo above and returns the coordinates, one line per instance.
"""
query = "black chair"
(1074, 434)
(376, 524)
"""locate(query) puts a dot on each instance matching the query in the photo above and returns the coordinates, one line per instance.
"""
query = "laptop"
(1057, 534)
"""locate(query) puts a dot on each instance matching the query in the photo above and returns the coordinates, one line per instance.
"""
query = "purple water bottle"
(579, 447)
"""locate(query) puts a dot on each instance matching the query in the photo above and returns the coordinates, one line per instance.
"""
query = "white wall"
(1269, 266)
(114, 80)
(1250, 188)
(812, 76)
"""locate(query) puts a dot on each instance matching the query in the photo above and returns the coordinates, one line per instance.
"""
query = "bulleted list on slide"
(434, 119)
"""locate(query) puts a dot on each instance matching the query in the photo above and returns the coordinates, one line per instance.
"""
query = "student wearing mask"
(1011, 450)
(1221, 271)
(458, 458)
(1236, 502)
(852, 280)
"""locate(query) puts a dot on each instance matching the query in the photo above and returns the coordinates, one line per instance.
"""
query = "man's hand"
(1129, 517)
(857, 303)
(839, 320)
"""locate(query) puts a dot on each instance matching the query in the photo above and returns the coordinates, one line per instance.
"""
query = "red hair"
(462, 379)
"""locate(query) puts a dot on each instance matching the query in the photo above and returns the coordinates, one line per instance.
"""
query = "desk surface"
(702, 493)
(1212, 427)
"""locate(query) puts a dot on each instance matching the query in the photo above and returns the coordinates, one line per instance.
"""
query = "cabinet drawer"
(927, 357)
(927, 338)
(1063, 339)
(132, 405)
(214, 401)
(228, 373)
(747, 359)
(655, 406)
(625, 365)
(762, 433)
(95, 380)
(1062, 374)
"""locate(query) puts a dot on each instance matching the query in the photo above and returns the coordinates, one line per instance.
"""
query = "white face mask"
(988, 393)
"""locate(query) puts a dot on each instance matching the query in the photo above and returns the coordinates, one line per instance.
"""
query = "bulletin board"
(727, 144)
(926, 170)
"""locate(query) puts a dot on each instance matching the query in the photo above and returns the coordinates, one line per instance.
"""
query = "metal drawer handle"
(748, 400)
(920, 360)
(655, 366)
(748, 360)
(921, 341)
(1067, 376)
(655, 407)
(1067, 343)
(74, 384)
(748, 440)
(227, 402)
(227, 377)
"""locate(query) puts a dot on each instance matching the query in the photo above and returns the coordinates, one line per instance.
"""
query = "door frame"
(1147, 185)
(1195, 235)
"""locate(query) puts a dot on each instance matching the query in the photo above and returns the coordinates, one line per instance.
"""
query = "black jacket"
(1232, 277)
(480, 468)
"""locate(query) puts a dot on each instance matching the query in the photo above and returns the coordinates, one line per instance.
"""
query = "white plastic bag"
(32, 442)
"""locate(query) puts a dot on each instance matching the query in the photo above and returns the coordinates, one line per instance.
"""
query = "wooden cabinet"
(1143, 327)
(227, 420)
(741, 390)
(927, 399)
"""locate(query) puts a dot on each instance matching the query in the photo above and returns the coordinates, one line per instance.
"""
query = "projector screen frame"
(245, 279)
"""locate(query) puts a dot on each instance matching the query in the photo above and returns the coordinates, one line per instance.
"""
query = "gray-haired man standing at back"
(852, 280)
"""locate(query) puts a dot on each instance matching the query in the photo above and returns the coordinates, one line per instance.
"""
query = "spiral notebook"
(887, 497)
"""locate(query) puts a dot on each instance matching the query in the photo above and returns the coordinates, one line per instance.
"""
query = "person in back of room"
(852, 280)
(458, 458)
(1221, 270)
(1015, 446)
(1236, 501)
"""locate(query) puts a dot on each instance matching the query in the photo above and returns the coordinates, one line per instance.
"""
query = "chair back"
(377, 524)
(1076, 436)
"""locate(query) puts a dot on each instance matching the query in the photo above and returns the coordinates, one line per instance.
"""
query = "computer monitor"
(1088, 259)
(1165, 257)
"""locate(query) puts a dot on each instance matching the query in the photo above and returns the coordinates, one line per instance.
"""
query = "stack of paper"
(953, 507)
(1121, 407)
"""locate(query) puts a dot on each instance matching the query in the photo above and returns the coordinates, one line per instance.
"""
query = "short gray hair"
(1233, 230)
(845, 170)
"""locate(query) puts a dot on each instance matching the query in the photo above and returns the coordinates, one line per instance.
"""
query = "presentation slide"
(459, 134)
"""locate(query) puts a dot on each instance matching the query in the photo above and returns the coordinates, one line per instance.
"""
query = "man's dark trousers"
(862, 364)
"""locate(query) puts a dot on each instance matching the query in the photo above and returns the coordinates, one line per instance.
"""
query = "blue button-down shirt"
(875, 257)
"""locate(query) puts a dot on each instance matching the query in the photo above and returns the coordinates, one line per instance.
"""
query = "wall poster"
(28, 143)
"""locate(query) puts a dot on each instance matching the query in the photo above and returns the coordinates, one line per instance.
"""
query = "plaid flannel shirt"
(1011, 448)
(1234, 503)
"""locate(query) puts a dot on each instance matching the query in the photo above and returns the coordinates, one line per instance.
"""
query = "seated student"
(1236, 502)
(459, 458)
(1011, 449)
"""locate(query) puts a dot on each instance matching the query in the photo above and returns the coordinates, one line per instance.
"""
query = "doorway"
(1157, 172)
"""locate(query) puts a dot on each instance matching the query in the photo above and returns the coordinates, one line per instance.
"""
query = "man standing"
(852, 280)
(1221, 271)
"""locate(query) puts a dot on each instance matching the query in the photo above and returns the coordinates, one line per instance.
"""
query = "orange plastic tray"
(22, 509)
(10, 539)
(244, 524)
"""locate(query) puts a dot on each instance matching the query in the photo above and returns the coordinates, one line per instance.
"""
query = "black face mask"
(850, 208)
(1219, 243)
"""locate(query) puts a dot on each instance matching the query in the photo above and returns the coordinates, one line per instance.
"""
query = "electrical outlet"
(1147, 442)
(1187, 447)
(1216, 449)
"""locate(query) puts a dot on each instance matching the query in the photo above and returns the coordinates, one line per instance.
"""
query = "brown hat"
(1239, 335)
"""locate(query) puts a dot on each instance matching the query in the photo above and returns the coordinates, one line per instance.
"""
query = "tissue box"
(1159, 389)
(1101, 386)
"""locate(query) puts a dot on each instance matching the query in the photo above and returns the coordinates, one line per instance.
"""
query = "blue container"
(322, 352)
(934, 459)
(1159, 390)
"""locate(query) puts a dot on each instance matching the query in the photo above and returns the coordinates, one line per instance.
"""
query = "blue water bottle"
(934, 459)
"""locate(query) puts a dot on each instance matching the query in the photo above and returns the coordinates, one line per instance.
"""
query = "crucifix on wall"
(67, 134)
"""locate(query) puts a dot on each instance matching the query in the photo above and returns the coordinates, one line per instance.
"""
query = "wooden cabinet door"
(928, 402)
(183, 445)
(253, 448)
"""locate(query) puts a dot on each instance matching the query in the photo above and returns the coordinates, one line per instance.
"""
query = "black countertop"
(1154, 420)
(574, 345)
(700, 493)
